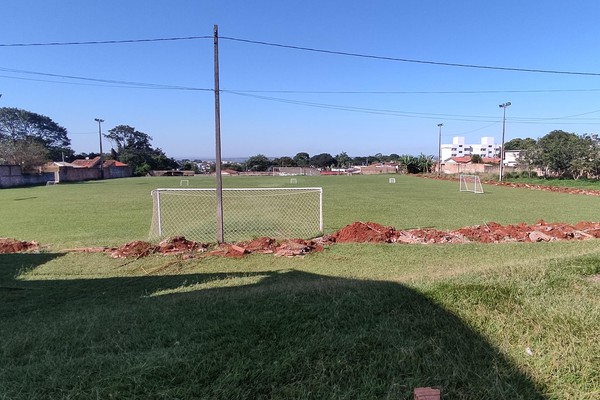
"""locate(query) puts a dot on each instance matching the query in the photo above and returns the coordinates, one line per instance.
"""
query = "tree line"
(325, 161)
(560, 154)
(29, 139)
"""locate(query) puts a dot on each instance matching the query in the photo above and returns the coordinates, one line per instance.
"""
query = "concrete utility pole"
(100, 121)
(220, 238)
(440, 150)
(503, 107)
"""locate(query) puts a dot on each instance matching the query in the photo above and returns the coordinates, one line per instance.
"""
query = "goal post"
(280, 213)
(470, 183)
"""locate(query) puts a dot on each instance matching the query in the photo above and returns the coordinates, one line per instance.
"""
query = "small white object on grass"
(528, 351)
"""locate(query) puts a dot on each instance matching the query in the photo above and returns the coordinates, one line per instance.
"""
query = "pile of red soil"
(265, 245)
(8, 245)
(365, 232)
(169, 246)
(356, 232)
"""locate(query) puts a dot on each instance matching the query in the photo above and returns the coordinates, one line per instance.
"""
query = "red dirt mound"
(297, 247)
(137, 249)
(363, 232)
(179, 244)
(8, 245)
(263, 245)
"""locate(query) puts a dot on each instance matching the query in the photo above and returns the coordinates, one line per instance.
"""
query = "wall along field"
(511, 320)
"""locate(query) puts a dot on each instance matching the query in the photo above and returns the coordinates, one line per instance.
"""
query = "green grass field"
(357, 321)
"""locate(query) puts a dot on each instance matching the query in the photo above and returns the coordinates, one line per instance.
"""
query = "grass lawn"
(506, 321)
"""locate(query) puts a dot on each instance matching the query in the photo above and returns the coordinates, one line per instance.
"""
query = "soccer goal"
(470, 183)
(247, 213)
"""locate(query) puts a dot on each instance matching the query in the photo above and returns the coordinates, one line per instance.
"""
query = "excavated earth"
(555, 189)
(8, 245)
(356, 232)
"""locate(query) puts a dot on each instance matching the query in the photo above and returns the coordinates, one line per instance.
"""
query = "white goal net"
(470, 183)
(247, 213)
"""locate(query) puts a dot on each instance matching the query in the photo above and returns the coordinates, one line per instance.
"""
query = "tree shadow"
(277, 334)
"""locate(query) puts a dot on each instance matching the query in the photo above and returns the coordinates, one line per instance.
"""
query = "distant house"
(464, 165)
(86, 163)
(380, 168)
(87, 169)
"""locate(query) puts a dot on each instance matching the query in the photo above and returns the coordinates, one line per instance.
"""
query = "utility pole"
(440, 150)
(220, 238)
(503, 107)
(100, 121)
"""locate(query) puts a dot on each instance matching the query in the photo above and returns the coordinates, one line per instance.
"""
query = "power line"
(310, 49)
(127, 84)
(107, 81)
(408, 60)
(95, 42)
(416, 91)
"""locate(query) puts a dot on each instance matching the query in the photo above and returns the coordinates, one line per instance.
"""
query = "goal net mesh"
(470, 183)
(247, 213)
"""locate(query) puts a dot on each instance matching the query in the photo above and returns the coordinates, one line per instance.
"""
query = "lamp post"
(100, 121)
(503, 107)
(440, 150)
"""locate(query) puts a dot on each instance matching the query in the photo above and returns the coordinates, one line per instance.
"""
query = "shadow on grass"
(277, 334)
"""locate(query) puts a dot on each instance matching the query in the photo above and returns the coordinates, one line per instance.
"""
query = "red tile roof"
(467, 160)
(88, 163)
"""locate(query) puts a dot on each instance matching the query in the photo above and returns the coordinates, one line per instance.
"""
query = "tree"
(343, 160)
(28, 153)
(22, 125)
(284, 162)
(519, 144)
(134, 148)
(425, 163)
(558, 150)
(323, 160)
(258, 162)
(409, 164)
(302, 159)
(476, 159)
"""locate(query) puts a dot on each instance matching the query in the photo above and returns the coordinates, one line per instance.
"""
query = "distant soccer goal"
(470, 183)
(247, 213)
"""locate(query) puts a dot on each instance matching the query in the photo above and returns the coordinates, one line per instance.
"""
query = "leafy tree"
(425, 163)
(519, 144)
(18, 125)
(258, 162)
(476, 159)
(187, 165)
(343, 160)
(587, 162)
(284, 162)
(409, 164)
(359, 161)
(28, 153)
(323, 160)
(302, 159)
(558, 150)
(233, 166)
(134, 148)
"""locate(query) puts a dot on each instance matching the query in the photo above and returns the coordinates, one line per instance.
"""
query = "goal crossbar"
(247, 213)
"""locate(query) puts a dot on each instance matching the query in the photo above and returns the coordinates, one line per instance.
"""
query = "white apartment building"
(487, 148)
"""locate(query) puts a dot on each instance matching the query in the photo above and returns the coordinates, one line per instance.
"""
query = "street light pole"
(100, 121)
(440, 150)
(503, 107)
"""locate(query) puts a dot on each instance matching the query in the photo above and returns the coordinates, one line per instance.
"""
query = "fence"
(247, 213)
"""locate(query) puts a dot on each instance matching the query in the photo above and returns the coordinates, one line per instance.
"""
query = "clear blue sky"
(268, 113)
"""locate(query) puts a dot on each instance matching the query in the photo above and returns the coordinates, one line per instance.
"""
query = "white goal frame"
(280, 213)
(470, 183)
